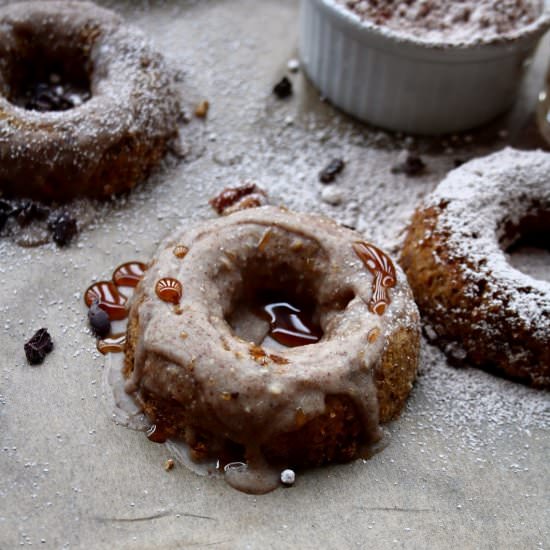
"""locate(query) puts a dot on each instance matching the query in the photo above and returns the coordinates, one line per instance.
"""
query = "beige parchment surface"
(465, 467)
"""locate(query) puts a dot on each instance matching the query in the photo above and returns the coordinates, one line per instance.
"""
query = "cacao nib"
(64, 229)
(283, 88)
(331, 170)
(413, 165)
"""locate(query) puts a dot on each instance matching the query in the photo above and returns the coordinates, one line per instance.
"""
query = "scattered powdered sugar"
(248, 135)
(471, 407)
(454, 22)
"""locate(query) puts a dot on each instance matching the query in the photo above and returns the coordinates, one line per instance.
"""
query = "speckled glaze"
(475, 303)
(108, 143)
(248, 392)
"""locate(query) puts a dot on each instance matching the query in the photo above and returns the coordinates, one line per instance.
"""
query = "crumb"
(412, 165)
(202, 109)
(169, 464)
(331, 170)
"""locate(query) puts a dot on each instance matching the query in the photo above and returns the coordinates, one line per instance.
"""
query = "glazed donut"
(474, 303)
(106, 144)
(206, 366)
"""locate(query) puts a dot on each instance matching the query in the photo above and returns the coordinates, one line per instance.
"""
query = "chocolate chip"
(283, 88)
(53, 97)
(64, 229)
(38, 347)
(30, 211)
(333, 168)
(413, 165)
(99, 320)
(5, 212)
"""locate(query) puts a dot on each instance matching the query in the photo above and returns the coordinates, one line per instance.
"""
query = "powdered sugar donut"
(474, 302)
(100, 142)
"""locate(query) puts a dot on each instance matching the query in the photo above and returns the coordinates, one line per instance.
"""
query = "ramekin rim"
(534, 29)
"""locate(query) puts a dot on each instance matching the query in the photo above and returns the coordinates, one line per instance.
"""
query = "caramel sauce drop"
(180, 251)
(157, 434)
(290, 326)
(109, 299)
(129, 274)
(112, 344)
(169, 290)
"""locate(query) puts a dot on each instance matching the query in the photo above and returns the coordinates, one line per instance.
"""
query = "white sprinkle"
(288, 477)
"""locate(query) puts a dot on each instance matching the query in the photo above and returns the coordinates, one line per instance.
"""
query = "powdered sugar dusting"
(133, 111)
(456, 22)
(485, 201)
(471, 406)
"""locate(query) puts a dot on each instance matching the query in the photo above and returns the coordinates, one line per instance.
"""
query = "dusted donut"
(197, 365)
(108, 143)
(475, 304)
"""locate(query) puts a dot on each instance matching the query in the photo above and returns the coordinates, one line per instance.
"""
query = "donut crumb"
(202, 109)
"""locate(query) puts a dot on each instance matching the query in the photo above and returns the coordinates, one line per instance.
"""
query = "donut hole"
(283, 304)
(279, 306)
(45, 71)
(527, 244)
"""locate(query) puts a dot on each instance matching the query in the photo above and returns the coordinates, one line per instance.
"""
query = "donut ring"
(197, 379)
(108, 143)
(476, 305)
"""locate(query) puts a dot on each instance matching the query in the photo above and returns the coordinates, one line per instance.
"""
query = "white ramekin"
(409, 85)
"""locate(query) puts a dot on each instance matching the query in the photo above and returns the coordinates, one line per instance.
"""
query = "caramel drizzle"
(383, 271)
(108, 297)
(112, 344)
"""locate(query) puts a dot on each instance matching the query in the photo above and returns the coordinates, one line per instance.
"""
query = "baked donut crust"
(197, 379)
(474, 303)
(108, 143)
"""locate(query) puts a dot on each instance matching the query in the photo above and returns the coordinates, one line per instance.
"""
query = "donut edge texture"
(109, 143)
(474, 304)
(308, 425)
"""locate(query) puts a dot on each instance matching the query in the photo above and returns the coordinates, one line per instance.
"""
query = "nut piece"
(169, 464)
(231, 199)
(202, 109)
